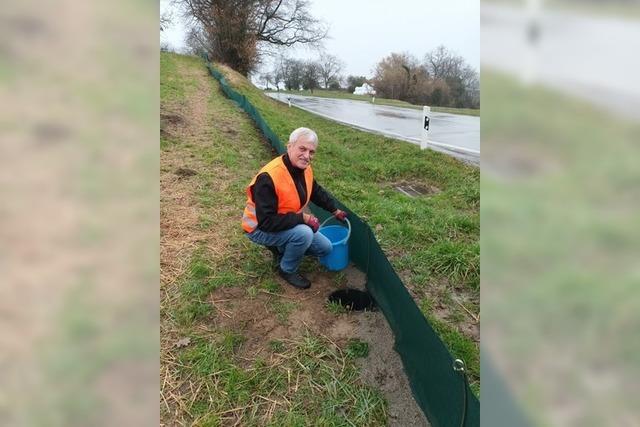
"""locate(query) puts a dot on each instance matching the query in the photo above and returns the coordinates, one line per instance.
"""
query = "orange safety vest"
(286, 191)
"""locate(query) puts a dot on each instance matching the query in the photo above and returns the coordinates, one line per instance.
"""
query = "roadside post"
(426, 118)
(289, 100)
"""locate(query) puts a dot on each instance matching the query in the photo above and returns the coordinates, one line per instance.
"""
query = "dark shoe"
(295, 279)
(277, 256)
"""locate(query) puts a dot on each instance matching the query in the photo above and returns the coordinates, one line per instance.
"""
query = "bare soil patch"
(185, 172)
(179, 209)
(171, 119)
(256, 318)
(452, 307)
(170, 124)
(383, 369)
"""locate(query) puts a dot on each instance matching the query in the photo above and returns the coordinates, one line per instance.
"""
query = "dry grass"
(306, 366)
(180, 235)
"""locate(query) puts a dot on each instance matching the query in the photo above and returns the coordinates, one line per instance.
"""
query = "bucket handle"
(349, 228)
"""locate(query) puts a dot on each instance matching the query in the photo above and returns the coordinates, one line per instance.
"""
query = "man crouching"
(274, 215)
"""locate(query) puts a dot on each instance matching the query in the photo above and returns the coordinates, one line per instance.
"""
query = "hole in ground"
(352, 299)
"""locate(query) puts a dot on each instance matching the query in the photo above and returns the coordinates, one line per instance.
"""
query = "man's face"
(301, 153)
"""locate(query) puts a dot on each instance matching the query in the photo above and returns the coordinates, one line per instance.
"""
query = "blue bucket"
(338, 235)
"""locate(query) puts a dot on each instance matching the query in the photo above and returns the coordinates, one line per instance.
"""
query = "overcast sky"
(361, 32)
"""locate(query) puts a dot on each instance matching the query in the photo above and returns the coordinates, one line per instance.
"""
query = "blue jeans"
(293, 244)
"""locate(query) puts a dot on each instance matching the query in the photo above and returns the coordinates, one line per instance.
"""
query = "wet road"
(456, 135)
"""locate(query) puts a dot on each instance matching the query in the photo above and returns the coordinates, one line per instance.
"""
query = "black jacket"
(266, 200)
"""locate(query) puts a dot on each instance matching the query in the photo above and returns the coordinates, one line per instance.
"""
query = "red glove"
(314, 223)
(341, 215)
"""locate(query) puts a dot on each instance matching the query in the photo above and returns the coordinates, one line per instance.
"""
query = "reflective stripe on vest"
(285, 188)
(249, 217)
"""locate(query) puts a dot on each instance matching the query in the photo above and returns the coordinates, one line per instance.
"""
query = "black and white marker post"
(426, 113)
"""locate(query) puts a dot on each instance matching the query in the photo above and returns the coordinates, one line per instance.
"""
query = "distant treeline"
(442, 78)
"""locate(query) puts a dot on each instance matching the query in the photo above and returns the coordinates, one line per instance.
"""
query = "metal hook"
(458, 365)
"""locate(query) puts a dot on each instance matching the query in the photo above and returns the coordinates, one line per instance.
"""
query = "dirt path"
(179, 210)
(185, 122)
(382, 367)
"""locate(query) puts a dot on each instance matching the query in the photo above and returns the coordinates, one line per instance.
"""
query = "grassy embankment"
(210, 272)
(432, 241)
(207, 378)
(324, 93)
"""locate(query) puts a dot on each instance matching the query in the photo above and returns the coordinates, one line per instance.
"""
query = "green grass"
(199, 281)
(463, 349)
(174, 88)
(323, 93)
(357, 348)
(271, 286)
(456, 261)
(282, 309)
(205, 222)
(432, 241)
(276, 346)
(340, 279)
(335, 307)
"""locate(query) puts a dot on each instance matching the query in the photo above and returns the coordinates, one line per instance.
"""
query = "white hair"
(303, 132)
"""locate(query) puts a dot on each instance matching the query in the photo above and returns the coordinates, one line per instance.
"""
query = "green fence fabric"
(244, 103)
(440, 391)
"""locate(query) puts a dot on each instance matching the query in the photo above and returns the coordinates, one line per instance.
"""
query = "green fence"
(441, 391)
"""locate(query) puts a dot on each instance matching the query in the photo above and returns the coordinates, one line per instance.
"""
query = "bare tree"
(293, 74)
(461, 79)
(471, 82)
(196, 41)
(266, 79)
(279, 72)
(330, 67)
(166, 20)
(442, 64)
(236, 30)
(311, 75)
(276, 79)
